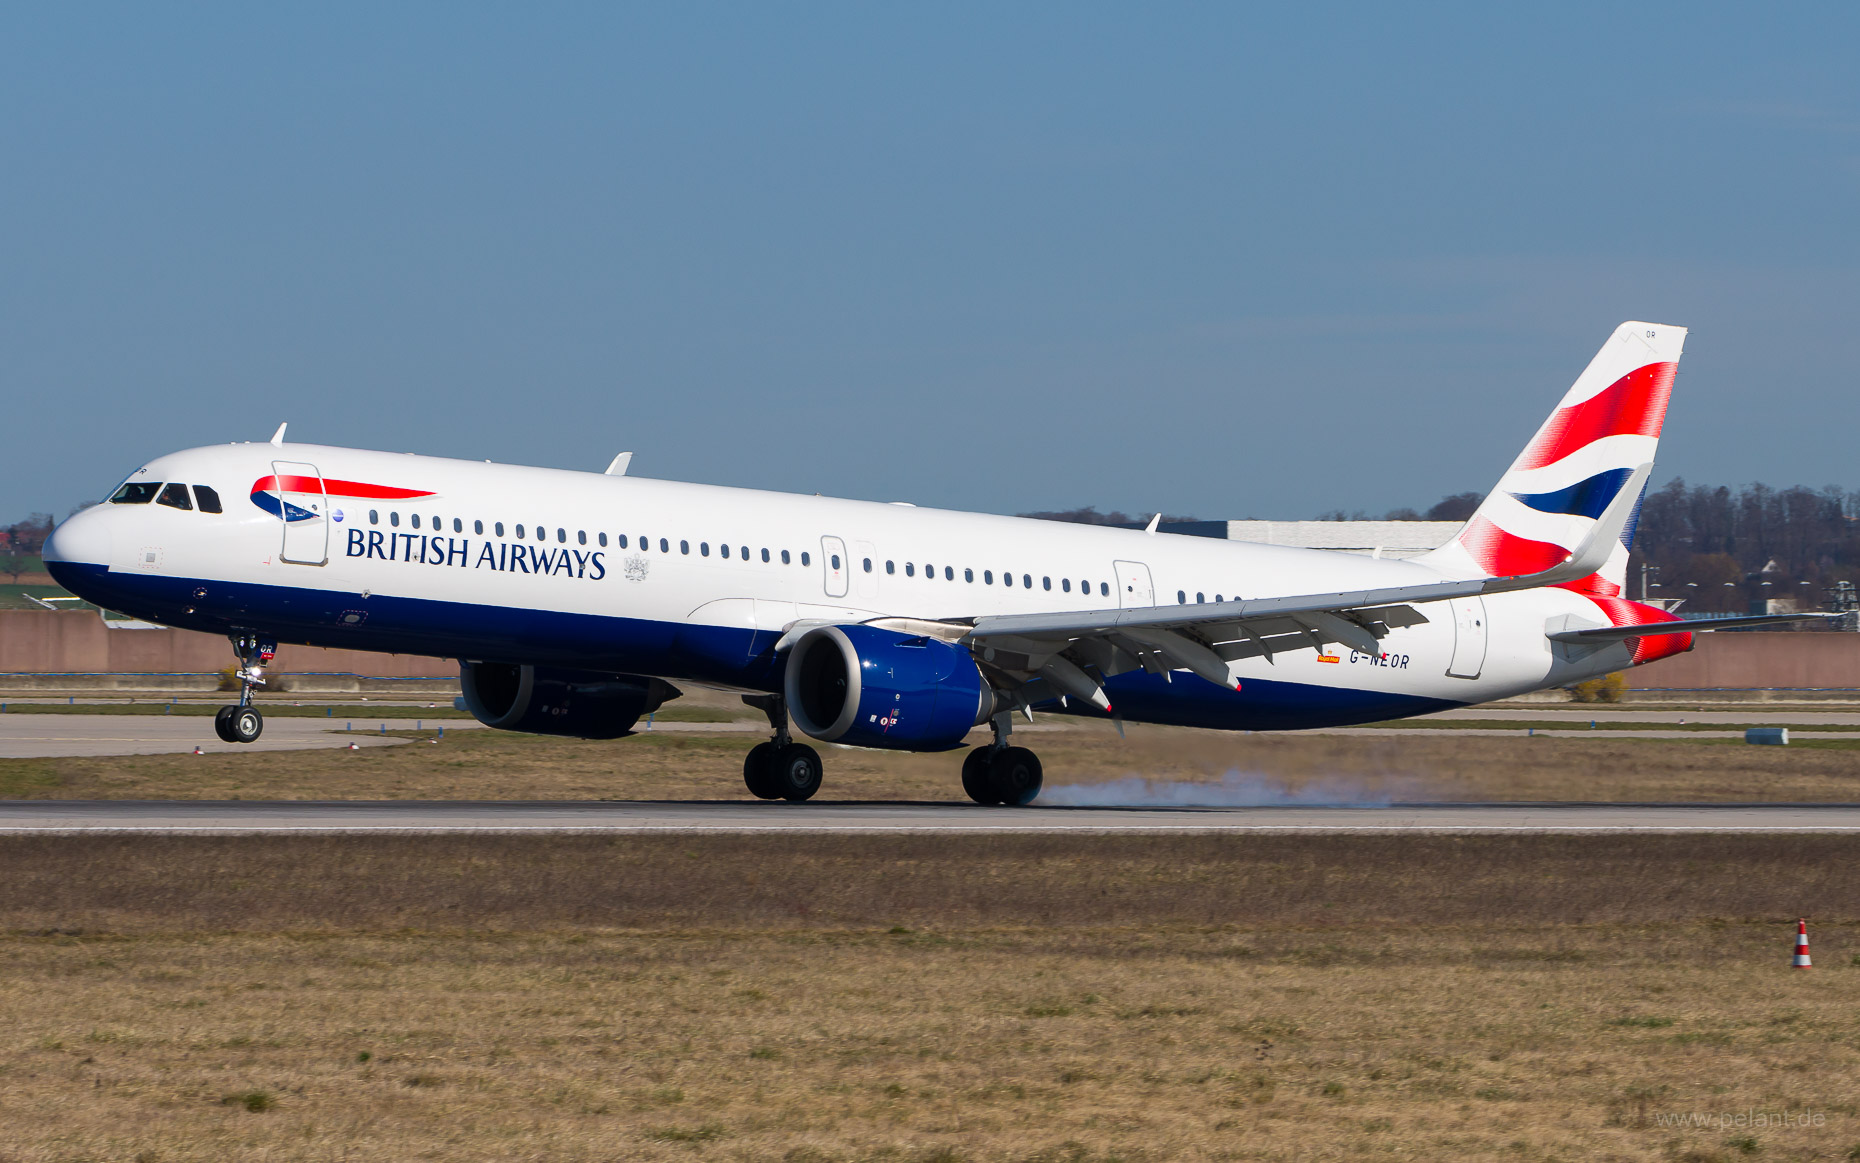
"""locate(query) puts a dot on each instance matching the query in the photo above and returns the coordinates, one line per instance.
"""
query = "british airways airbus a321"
(575, 601)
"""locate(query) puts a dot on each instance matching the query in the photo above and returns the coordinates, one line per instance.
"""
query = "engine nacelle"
(868, 687)
(581, 704)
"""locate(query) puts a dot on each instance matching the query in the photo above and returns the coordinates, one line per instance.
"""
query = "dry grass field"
(1421, 765)
(926, 998)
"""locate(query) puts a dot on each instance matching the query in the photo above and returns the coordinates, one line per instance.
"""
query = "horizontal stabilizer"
(1602, 634)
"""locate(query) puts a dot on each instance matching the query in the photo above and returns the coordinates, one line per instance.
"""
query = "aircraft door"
(1468, 637)
(834, 566)
(304, 507)
(1133, 584)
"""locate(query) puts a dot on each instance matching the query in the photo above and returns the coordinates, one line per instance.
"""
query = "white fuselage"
(695, 582)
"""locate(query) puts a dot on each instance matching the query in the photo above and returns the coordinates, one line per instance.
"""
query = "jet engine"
(580, 704)
(869, 687)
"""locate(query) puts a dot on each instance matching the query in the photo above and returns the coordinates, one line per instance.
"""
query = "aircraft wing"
(1065, 648)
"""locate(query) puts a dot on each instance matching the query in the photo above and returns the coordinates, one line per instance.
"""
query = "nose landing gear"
(241, 722)
(780, 769)
(997, 773)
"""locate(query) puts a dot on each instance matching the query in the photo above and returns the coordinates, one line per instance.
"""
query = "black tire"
(222, 724)
(797, 772)
(975, 779)
(1015, 776)
(245, 724)
(759, 772)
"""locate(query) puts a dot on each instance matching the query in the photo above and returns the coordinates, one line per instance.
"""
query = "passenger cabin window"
(1181, 599)
(416, 521)
(561, 535)
(478, 528)
(458, 526)
(665, 546)
(684, 547)
(601, 537)
(891, 567)
(1007, 579)
(581, 537)
(910, 569)
(394, 520)
(743, 550)
(949, 573)
(1047, 582)
(519, 533)
(704, 548)
(498, 528)
(1065, 583)
(806, 557)
(836, 560)
(968, 575)
(175, 497)
(784, 557)
(1026, 580)
(136, 493)
(868, 565)
(765, 556)
(988, 577)
(207, 499)
(1104, 589)
(374, 516)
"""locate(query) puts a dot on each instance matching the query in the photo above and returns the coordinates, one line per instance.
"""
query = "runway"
(246, 817)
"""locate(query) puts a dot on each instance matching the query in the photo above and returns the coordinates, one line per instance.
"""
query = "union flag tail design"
(1606, 425)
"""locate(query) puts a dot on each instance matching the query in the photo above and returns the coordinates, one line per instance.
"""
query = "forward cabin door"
(1468, 637)
(1133, 585)
(834, 566)
(305, 509)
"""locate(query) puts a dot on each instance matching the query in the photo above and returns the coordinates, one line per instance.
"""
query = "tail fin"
(1586, 452)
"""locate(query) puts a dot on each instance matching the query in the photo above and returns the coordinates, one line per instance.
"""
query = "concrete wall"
(1750, 660)
(77, 642)
(40, 642)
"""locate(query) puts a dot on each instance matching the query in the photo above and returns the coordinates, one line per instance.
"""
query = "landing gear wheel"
(759, 772)
(1015, 776)
(222, 724)
(244, 724)
(975, 776)
(796, 772)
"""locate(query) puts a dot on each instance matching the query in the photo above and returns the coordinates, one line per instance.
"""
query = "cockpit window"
(208, 499)
(175, 496)
(136, 493)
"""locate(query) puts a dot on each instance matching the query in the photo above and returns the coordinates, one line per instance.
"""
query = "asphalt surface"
(273, 817)
(53, 736)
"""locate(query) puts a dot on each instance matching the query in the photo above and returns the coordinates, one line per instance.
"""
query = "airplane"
(575, 601)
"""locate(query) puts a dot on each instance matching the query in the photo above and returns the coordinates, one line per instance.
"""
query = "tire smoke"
(1236, 789)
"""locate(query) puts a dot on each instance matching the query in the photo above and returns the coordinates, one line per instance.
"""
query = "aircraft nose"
(83, 539)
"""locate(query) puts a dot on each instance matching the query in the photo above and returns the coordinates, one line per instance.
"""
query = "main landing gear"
(241, 722)
(997, 773)
(780, 769)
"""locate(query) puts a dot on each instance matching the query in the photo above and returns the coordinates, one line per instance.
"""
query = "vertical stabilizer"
(1606, 426)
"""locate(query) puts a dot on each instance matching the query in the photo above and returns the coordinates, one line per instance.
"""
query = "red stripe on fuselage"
(335, 488)
(1634, 405)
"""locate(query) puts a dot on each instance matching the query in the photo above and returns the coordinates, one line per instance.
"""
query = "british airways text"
(432, 549)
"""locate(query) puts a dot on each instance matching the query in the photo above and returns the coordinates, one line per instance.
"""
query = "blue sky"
(1205, 259)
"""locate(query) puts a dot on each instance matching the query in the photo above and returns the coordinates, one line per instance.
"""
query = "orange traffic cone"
(1801, 946)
